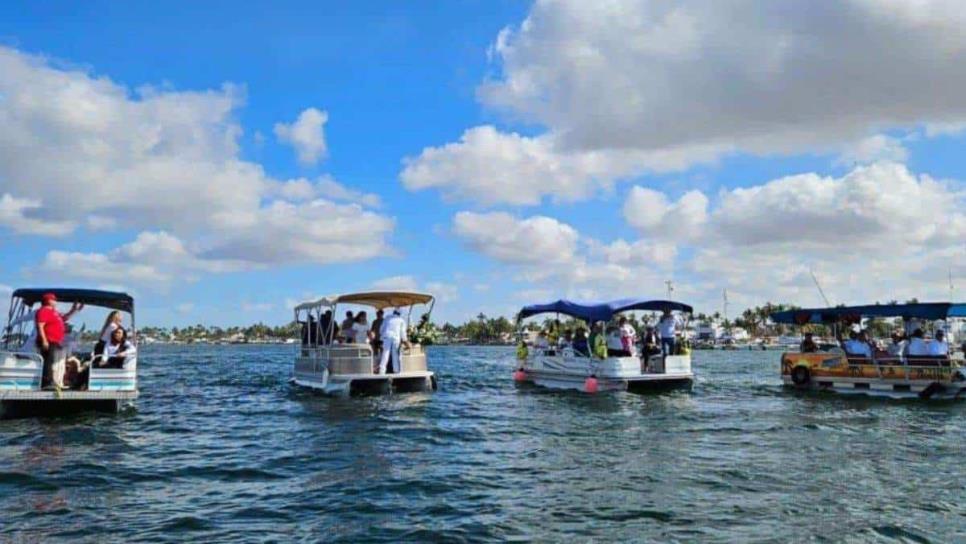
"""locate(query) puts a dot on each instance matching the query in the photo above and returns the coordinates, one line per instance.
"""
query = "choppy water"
(221, 448)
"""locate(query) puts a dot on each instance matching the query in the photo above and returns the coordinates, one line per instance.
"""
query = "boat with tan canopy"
(361, 361)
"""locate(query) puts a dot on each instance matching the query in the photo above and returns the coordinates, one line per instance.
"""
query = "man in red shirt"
(50, 336)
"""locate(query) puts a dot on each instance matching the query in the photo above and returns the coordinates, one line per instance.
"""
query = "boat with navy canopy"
(565, 365)
(905, 368)
(94, 382)
(335, 364)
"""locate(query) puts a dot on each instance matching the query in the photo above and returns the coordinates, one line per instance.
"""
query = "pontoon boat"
(562, 367)
(897, 375)
(21, 366)
(325, 363)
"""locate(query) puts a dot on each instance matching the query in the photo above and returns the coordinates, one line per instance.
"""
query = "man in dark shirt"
(808, 344)
(376, 338)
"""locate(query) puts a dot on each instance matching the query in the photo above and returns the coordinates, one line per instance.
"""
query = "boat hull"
(368, 384)
(570, 372)
(931, 379)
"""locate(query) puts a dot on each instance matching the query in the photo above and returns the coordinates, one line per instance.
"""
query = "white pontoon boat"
(21, 366)
(326, 364)
(564, 367)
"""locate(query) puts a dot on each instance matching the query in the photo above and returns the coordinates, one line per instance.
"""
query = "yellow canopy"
(376, 299)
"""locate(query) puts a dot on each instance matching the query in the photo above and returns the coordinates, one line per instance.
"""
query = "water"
(221, 448)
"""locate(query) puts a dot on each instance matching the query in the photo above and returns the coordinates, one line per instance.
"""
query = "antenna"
(670, 288)
(951, 288)
(725, 295)
(820, 291)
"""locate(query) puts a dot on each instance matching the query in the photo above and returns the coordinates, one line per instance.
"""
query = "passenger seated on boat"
(542, 341)
(897, 346)
(858, 346)
(651, 344)
(917, 344)
(118, 351)
(580, 344)
(566, 340)
(615, 346)
(939, 347)
(808, 344)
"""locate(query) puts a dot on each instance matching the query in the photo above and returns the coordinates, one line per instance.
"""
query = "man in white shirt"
(939, 347)
(667, 328)
(898, 345)
(393, 334)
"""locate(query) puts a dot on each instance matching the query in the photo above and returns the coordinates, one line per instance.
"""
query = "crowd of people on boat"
(617, 338)
(65, 364)
(386, 335)
(904, 344)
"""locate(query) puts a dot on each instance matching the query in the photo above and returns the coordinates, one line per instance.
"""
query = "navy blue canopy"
(93, 297)
(923, 310)
(601, 311)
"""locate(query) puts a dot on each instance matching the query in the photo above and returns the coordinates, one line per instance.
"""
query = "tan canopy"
(377, 299)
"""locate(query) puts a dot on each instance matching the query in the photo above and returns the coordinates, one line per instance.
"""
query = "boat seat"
(928, 360)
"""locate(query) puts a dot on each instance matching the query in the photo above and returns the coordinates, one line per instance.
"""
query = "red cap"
(48, 297)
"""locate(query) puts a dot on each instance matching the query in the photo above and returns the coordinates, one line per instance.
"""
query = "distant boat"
(565, 368)
(882, 375)
(327, 365)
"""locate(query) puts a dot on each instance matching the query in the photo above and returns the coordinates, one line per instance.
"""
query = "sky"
(225, 161)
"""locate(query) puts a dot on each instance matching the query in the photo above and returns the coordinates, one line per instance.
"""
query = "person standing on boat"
(393, 334)
(51, 330)
(347, 326)
(628, 336)
(360, 329)
(598, 344)
(667, 327)
(375, 333)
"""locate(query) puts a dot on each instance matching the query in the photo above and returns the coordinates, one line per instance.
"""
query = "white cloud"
(874, 149)
(630, 87)
(879, 232)
(80, 150)
(306, 135)
(444, 292)
(879, 206)
(491, 167)
(652, 214)
(396, 283)
(185, 308)
(650, 75)
(15, 215)
(328, 187)
(535, 240)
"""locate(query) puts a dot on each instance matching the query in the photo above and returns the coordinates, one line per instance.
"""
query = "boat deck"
(67, 395)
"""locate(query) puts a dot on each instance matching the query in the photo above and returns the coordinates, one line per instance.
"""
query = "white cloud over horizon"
(92, 154)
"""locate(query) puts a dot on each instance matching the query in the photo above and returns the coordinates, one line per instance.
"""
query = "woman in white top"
(111, 324)
(360, 329)
(118, 350)
(615, 347)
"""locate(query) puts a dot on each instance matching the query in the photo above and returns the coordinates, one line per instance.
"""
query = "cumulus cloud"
(535, 240)
(91, 153)
(871, 207)
(490, 167)
(877, 148)
(635, 73)
(306, 135)
(15, 214)
(878, 232)
(653, 214)
(630, 87)
(444, 292)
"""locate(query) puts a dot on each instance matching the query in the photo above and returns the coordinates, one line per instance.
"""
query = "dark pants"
(667, 346)
(50, 355)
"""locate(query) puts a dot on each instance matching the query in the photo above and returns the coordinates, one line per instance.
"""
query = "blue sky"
(495, 153)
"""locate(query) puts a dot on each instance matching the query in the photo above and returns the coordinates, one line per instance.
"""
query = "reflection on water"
(222, 448)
